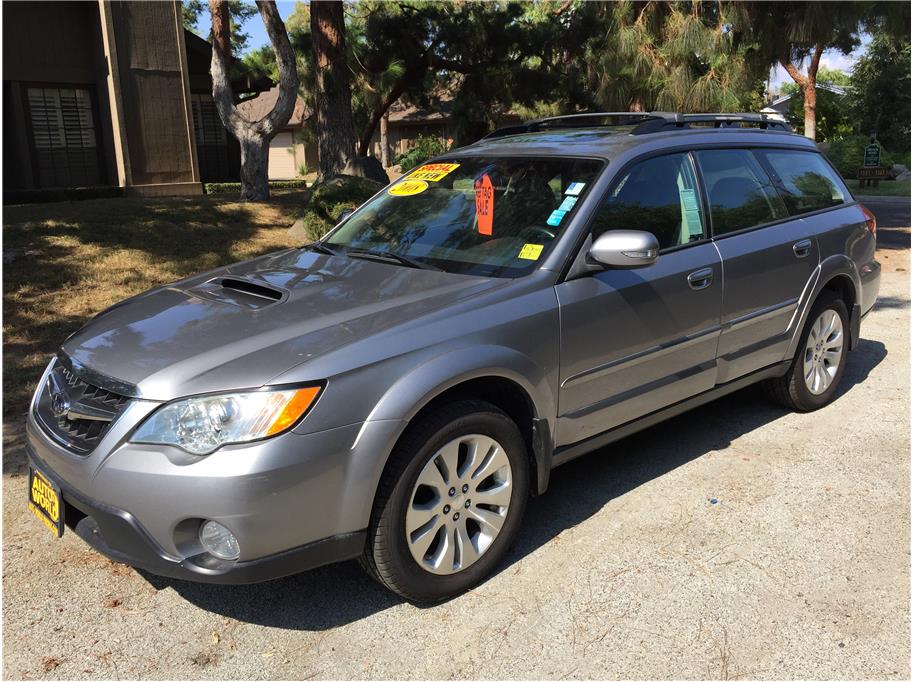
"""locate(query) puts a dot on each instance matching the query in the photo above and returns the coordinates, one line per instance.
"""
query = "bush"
(425, 148)
(235, 187)
(847, 154)
(324, 203)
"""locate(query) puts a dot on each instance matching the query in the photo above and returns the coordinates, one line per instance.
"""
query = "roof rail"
(665, 121)
(645, 122)
(597, 119)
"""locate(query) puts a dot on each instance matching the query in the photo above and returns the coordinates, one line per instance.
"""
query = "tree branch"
(222, 93)
(382, 107)
(288, 70)
(450, 65)
(815, 63)
(563, 8)
(792, 71)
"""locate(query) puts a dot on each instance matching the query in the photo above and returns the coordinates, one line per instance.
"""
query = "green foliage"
(235, 187)
(847, 154)
(679, 56)
(425, 148)
(261, 63)
(879, 89)
(324, 203)
(833, 116)
(885, 188)
(238, 12)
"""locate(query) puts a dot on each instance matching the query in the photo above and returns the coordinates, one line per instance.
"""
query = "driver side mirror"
(343, 216)
(625, 249)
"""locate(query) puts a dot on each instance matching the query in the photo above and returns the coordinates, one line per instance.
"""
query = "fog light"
(219, 541)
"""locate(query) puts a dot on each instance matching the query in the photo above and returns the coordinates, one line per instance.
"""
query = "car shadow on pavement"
(335, 595)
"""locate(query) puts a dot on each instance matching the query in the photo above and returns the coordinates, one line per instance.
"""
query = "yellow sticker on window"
(531, 251)
(433, 171)
(407, 188)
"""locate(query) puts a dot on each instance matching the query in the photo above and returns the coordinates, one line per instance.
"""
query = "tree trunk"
(253, 136)
(254, 168)
(808, 85)
(384, 141)
(335, 129)
(810, 110)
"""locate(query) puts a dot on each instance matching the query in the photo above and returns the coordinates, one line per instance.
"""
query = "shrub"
(235, 187)
(325, 201)
(425, 148)
(847, 154)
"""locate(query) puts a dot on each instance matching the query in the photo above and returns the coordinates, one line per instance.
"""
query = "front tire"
(449, 503)
(820, 359)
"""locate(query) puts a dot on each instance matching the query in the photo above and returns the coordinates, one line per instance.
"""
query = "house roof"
(400, 112)
(256, 108)
(200, 52)
(835, 89)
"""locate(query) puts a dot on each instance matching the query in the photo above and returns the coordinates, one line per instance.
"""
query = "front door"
(636, 340)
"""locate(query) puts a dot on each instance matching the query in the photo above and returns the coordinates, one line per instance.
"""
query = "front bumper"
(294, 502)
(119, 536)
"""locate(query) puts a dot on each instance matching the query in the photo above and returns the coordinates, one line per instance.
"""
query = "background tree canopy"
(551, 57)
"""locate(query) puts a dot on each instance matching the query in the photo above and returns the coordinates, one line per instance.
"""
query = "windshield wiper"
(320, 247)
(387, 256)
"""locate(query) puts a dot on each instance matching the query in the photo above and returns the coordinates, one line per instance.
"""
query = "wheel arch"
(839, 274)
(501, 376)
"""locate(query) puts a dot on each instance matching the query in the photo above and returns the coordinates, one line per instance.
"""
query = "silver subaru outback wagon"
(398, 390)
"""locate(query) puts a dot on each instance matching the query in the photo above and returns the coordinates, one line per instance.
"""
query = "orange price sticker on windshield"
(484, 205)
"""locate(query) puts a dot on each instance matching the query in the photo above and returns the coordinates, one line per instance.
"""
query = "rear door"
(768, 258)
(636, 340)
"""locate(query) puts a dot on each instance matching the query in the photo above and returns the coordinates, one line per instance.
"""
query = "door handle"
(700, 279)
(802, 248)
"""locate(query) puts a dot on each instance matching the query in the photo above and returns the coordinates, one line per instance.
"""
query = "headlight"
(204, 424)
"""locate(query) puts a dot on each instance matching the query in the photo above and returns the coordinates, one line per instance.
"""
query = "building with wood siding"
(109, 96)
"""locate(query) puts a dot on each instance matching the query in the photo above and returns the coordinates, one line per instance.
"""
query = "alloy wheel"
(823, 351)
(458, 504)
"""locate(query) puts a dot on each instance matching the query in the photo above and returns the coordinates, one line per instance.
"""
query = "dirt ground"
(625, 568)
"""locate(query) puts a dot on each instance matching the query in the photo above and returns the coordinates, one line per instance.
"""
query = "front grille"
(75, 412)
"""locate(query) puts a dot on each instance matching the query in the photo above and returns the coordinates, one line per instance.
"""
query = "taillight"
(870, 220)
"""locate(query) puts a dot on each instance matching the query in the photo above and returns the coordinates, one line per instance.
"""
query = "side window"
(658, 195)
(808, 181)
(740, 192)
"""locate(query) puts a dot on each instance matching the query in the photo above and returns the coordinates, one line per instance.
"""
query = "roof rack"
(661, 121)
(597, 119)
(645, 122)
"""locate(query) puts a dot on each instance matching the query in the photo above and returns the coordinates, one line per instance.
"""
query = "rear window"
(808, 182)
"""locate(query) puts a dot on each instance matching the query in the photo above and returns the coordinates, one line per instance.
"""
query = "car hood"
(241, 326)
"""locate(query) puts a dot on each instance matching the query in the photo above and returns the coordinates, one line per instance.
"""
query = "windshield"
(473, 215)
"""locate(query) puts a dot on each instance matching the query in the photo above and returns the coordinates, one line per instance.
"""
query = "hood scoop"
(241, 292)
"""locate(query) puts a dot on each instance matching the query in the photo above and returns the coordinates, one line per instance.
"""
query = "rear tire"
(420, 563)
(819, 362)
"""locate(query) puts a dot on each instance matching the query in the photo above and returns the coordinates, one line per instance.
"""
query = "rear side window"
(658, 195)
(807, 181)
(741, 194)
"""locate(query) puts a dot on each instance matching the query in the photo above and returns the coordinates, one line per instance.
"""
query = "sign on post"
(872, 155)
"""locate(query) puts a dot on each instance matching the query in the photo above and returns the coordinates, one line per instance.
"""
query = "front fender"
(416, 389)
(405, 398)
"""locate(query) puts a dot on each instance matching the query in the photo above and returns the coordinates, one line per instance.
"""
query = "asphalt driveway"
(738, 540)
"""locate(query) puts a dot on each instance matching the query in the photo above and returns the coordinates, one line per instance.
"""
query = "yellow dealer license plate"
(45, 501)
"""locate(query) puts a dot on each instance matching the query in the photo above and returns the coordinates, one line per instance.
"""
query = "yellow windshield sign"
(407, 188)
(433, 171)
(531, 251)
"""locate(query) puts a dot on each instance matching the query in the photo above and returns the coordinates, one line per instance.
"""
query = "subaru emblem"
(59, 404)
